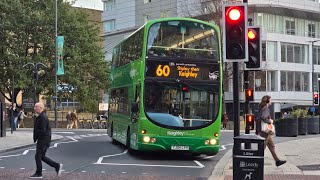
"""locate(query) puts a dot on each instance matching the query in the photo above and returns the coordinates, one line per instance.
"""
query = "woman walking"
(265, 116)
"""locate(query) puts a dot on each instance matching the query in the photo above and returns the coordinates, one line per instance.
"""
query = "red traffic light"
(184, 88)
(249, 121)
(249, 95)
(315, 95)
(252, 34)
(234, 14)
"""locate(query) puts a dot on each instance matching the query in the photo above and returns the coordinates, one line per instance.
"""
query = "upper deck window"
(182, 39)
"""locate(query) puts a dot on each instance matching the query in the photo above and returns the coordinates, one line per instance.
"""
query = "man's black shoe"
(36, 176)
(59, 169)
(280, 162)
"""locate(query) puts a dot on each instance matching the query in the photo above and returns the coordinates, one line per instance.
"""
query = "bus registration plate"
(184, 148)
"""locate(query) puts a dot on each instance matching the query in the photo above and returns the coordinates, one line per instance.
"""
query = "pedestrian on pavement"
(265, 116)
(225, 120)
(42, 135)
(22, 115)
(14, 113)
(74, 119)
(68, 117)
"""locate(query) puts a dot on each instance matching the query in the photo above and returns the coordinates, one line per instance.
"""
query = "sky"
(90, 4)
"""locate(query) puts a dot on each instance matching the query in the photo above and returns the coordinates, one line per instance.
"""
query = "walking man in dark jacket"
(42, 135)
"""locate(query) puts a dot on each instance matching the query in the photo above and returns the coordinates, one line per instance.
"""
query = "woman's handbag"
(267, 128)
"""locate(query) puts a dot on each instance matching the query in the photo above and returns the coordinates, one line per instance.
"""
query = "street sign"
(60, 41)
(312, 109)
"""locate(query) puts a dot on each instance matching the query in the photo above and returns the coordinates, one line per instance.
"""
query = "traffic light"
(235, 41)
(248, 95)
(254, 48)
(249, 121)
(316, 98)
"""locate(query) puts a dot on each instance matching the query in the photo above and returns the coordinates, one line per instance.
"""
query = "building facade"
(290, 34)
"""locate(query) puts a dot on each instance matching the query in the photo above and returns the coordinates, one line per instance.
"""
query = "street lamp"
(35, 77)
(312, 73)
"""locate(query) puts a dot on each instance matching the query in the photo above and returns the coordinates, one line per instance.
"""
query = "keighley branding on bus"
(175, 133)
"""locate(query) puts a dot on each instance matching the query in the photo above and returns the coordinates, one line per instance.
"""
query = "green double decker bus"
(166, 87)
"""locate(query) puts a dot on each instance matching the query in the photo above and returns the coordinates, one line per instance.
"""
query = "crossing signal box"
(235, 41)
(254, 48)
(316, 98)
(249, 121)
(249, 95)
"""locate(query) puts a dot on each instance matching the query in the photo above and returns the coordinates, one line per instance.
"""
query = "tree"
(27, 34)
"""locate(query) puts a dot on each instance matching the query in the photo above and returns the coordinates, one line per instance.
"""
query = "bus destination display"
(181, 70)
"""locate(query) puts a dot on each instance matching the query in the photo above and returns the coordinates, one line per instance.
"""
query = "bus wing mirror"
(134, 107)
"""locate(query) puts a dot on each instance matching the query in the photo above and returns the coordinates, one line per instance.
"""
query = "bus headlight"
(213, 141)
(146, 139)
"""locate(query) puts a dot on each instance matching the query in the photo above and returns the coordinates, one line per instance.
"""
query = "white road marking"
(10, 155)
(63, 132)
(103, 172)
(201, 165)
(22, 168)
(123, 172)
(101, 158)
(83, 171)
(145, 165)
(43, 169)
(144, 173)
(1, 167)
(55, 145)
(150, 165)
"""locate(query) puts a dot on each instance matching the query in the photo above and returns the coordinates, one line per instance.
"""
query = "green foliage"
(300, 113)
(27, 34)
(304, 112)
(296, 113)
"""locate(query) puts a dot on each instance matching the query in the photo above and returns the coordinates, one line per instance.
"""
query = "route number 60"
(163, 71)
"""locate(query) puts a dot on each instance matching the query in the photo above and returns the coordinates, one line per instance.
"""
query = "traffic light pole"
(246, 106)
(236, 101)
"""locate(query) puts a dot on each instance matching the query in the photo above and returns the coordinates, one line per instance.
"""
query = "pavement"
(19, 139)
(303, 157)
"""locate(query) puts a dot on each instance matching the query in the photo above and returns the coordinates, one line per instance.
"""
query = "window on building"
(297, 81)
(108, 5)
(316, 55)
(305, 82)
(260, 81)
(311, 30)
(265, 81)
(109, 25)
(294, 81)
(283, 81)
(263, 51)
(290, 27)
(147, 1)
(271, 51)
(272, 81)
(294, 53)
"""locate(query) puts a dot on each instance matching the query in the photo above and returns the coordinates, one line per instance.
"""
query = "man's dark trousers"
(41, 155)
